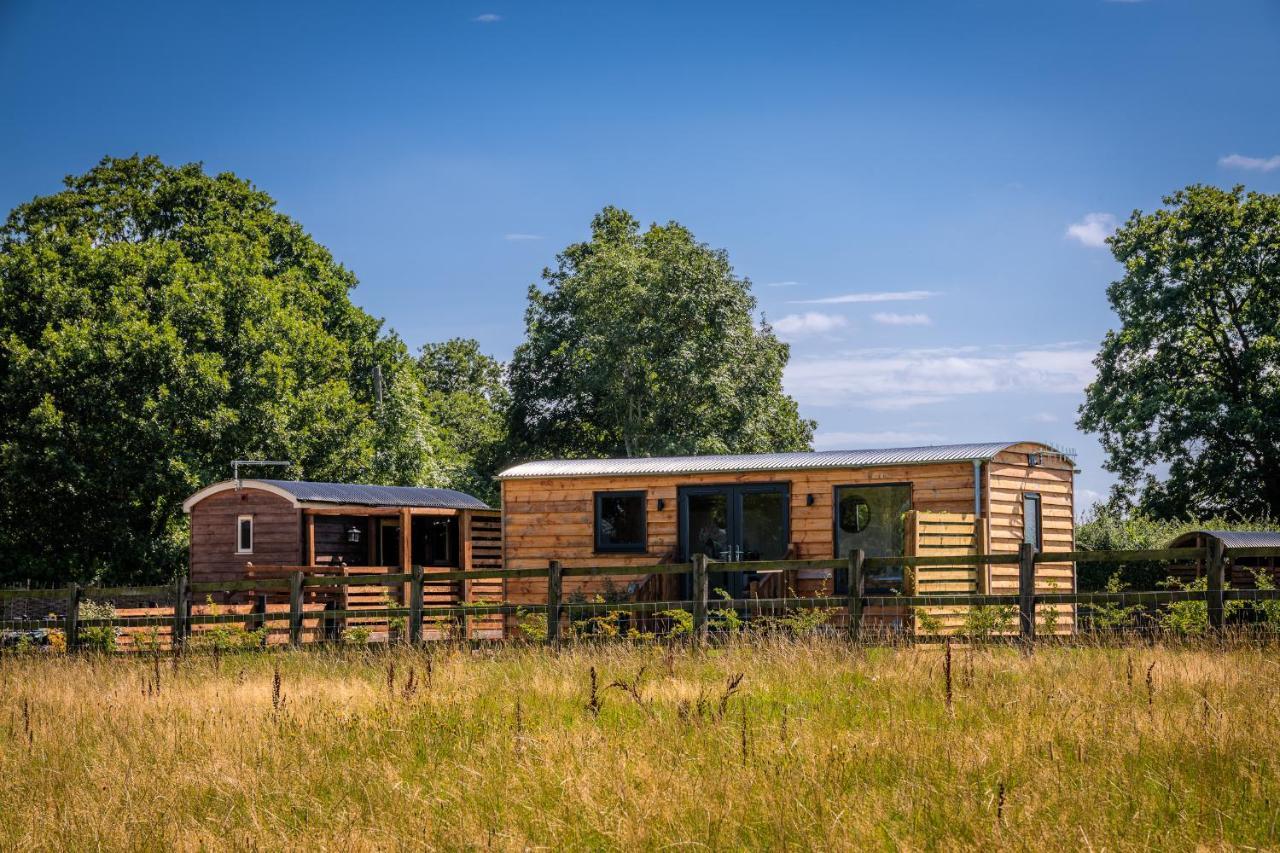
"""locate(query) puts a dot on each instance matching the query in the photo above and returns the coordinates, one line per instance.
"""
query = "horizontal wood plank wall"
(331, 540)
(943, 534)
(276, 533)
(1008, 478)
(482, 549)
(552, 518)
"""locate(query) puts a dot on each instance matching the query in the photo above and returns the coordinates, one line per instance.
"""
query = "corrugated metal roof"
(365, 495)
(1232, 538)
(755, 461)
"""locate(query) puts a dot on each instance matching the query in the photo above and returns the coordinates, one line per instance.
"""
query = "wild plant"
(1112, 616)
(1191, 618)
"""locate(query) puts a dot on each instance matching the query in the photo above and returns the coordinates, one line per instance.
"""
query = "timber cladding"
(553, 518)
(276, 533)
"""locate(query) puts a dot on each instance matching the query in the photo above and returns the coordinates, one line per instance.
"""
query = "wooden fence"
(181, 618)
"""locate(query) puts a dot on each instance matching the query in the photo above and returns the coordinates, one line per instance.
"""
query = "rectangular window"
(872, 517)
(1031, 521)
(620, 521)
(244, 534)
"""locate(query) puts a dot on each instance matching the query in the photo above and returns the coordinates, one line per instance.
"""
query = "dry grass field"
(772, 744)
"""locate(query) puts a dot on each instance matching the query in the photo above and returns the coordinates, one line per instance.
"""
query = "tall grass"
(776, 743)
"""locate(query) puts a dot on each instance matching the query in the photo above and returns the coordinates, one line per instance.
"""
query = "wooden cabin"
(1241, 571)
(239, 528)
(953, 499)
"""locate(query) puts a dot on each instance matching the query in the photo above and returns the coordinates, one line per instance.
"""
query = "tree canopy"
(1187, 397)
(157, 322)
(467, 392)
(646, 343)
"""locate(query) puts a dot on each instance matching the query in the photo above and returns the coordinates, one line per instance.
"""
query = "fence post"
(856, 556)
(295, 609)
(179, 612)
(72, 624)
(1216, 571)
(415, 606)
(1027, 594)
(554, 580)
(700, 598)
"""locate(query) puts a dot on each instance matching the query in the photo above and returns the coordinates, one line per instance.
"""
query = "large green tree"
(157, 322)
(646, 343)
(466, 392)
(1187, 397)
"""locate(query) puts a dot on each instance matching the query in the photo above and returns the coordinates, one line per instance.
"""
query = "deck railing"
(180, 599)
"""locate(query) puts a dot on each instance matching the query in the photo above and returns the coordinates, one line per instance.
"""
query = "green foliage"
(533, 626)
(986, 621)
(1268, 610)
(100, 638)
(224, 637)
(357, 635)
(467, 394)
(681, 622)
(155, 323)
(1111, 617)
(1191, 381)
(1191, 618)
(724, 619)
(643, 344)
(926, 622)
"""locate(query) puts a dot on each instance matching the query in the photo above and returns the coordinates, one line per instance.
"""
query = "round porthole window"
(855, 514)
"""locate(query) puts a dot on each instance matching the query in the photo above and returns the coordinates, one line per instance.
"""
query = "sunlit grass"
(820, 746)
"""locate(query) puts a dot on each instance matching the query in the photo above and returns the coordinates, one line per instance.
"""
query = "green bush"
(98, 638)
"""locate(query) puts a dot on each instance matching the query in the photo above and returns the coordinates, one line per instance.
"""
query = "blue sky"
(917, 190)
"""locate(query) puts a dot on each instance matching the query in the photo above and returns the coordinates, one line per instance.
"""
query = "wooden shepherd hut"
(945, 500)
(243, 529)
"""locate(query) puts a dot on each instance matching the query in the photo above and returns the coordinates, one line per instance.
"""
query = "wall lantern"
(808, 501)
(662, 504)
(353, 535)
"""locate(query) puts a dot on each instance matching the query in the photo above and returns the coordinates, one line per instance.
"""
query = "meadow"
(772, 743)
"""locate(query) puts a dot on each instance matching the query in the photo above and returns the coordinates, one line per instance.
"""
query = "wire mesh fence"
(292, 606)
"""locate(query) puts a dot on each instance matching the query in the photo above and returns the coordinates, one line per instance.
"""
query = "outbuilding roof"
(304, 493)
(756, 461)
(1232, 538)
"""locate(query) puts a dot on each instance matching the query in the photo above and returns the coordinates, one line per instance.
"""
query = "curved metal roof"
(756, 461)
(1232, 538)
(356, 494)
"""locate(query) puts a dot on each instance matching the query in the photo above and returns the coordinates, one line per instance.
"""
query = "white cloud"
(487, 18)
(1253, 164)
(783, 284)
(1044, 418)
(1093, 230)
(888, 296)
(893, 380)
(810, 323)
(519, 237)
(890, 319)
(885, 438)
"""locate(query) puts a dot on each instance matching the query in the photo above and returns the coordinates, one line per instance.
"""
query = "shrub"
(100, 638)
(1191, 618)
(1111, 617)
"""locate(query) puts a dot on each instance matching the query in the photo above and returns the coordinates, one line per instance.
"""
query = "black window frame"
(841, 580)
(642, 546)
(1039, 502)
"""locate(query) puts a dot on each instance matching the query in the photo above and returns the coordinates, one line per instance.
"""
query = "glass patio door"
(734, 524)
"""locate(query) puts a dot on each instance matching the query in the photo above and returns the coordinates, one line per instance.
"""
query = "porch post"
(311, 537)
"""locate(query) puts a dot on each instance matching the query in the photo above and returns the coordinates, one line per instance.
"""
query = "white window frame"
(241, 519)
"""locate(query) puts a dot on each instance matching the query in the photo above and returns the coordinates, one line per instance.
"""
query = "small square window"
(620, 521)
(244, 534)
